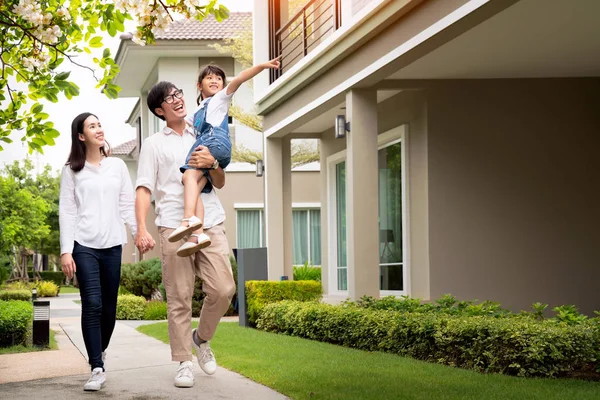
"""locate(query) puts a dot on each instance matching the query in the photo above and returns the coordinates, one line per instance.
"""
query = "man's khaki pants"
(178, 274)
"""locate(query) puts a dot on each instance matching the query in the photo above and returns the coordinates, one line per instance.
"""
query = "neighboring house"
(470, 166)
(178, 57)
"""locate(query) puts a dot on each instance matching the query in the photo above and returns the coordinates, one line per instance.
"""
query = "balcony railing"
(302, 33)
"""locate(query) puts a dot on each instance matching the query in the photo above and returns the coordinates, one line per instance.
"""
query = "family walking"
(180, 165)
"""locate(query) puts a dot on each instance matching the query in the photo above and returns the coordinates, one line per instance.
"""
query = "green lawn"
(305, 369)
(29, 348)
(68, 289)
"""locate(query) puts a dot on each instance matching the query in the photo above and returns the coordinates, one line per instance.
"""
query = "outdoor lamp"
(341, 127)
(41, 323)
(33, 294)
(260, 168)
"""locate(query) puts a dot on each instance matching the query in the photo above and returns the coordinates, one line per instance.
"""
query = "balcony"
(302, 32)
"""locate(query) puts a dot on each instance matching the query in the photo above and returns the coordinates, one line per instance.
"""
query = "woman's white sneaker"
(206, 358)
(185, 375)
(96, 381)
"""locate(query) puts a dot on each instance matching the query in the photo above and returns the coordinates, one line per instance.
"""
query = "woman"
(96, 196)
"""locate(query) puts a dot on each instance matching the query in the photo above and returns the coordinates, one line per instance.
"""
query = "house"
(178, 56)
(458, 145)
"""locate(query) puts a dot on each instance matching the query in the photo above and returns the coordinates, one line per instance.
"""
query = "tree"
(240, 47)
(36, 36)
(29, 211)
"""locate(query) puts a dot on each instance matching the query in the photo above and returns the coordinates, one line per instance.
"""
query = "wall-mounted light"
(341, 126)
(260, 168)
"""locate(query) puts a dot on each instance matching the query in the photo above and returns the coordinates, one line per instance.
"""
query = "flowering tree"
(37, 36)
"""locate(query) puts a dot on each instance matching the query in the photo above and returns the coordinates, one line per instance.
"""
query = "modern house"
(458, 145)
(178, 56)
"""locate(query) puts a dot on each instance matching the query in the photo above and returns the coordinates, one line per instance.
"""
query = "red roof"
(124, 149)
(208, 29)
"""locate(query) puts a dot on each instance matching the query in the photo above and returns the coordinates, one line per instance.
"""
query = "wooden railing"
(302, 33)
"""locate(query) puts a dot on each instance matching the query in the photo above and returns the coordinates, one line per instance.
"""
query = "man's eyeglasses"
(177, 94)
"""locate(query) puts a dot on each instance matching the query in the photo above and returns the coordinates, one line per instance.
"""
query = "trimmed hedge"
(155, 310)
(520, 345)
(16, 294)
(130, 306)
(261, 293)
(15, 319)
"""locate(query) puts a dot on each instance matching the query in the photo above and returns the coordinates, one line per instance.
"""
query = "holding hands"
(144, 241)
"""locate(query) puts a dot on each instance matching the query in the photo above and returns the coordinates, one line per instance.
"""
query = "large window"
(390, 217)
(306, 236)
(306, 233)
(250, 229)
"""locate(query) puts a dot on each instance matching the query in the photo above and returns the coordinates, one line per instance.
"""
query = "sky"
(111, 113)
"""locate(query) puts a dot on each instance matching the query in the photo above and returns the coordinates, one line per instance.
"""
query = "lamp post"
(41, 323)
(33, 294)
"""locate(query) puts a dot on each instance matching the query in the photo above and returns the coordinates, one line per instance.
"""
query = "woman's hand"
(68, 265)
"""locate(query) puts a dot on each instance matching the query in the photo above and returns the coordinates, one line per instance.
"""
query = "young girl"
(210, 122)
(96, 196)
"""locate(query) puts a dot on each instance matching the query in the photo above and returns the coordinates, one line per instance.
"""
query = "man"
(158, 172)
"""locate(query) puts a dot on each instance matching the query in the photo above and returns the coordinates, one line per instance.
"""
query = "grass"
(68, 290)
(77, 301)
(30, 348)
(305, 369)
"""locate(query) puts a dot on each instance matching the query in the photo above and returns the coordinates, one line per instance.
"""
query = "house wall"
(513, 200)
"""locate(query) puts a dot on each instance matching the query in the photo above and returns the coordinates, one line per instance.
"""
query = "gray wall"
(514, 210)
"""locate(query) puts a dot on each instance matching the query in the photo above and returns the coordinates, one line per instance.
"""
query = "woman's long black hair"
(76, 158)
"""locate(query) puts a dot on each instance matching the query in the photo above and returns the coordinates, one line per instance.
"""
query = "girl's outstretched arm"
(250, 73)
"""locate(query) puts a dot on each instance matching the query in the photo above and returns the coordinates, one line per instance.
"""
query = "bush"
(15, 319)
(142, 278)
(130, 306)
(155, 310)
(307, 272)
(447, 304)
(46, 289)
(58, 277)
(261, 293)
(516, 346)
(15, 294)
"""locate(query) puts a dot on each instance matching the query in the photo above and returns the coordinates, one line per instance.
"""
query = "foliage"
(155, 310)
(37, 37)
(142, 278)
(46, 289)
(15, 294)
(569, 315)
(58, 277)
(514, 346)
(15, 319)
(261, 293)
(307, 272)
(131, 307)
(447, 304)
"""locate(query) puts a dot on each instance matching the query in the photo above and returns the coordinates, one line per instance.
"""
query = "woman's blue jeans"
(98, 274)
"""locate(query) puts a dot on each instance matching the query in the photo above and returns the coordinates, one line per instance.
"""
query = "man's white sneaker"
(206, 358)
(96, 381)
(185, 375)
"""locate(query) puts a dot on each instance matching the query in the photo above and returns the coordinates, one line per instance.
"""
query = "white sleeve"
(127, 201)
(67, 211)
(147, 168)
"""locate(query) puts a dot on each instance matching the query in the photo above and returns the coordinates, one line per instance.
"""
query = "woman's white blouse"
(94, 204)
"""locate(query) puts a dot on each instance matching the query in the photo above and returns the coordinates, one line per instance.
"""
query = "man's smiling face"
(173, 106)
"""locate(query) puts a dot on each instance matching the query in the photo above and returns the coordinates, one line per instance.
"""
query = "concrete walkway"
(137, 366)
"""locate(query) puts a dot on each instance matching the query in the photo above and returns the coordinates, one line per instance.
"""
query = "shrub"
(16, 294)
(307, 272)
(15, 319)
(20, 285)
(58, 277)
(142, 278)
(46, 289)
(261, 293)
(130, 306)
(155, 310)
(517, 346)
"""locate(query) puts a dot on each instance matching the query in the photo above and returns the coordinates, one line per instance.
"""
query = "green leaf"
(6, 139)
(62, 75)
(87, 50)
(37, 108)
(106, 53)
(52, 133)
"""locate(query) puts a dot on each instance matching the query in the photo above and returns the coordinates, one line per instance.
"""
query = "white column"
(362, 194)
(278, 207)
